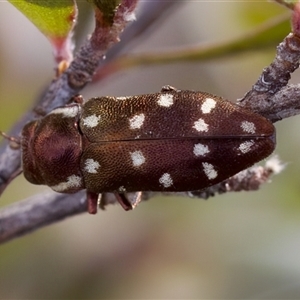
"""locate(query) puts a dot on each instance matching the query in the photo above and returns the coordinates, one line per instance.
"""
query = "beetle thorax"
(51, 149)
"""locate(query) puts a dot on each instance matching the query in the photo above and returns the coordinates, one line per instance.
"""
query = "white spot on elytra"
(137, 121)
(137, 158)
(208, 105)
(200, 149)
(72, 182)
(209, 171)
(165, 100)
(200, 125)
(166, 180)
(91, 121)
(246, 146)
(248, 127)
(67, 111)
(91, 166)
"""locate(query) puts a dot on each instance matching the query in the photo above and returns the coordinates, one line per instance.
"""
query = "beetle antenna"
(15, 142)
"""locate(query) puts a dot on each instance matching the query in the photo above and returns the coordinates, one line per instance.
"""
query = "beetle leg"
(92, 201)
(169, 88)
(123, 200)
(76, 99)
(137, 200)
(126, 203)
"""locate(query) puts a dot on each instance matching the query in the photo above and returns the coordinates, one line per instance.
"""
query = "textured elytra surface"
(189, 114)
(187, 168)
(168, 141)
(172, 141)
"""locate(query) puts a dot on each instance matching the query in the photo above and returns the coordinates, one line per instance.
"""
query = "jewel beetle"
(170, 141)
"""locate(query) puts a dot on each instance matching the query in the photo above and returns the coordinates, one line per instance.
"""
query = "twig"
(30, 214)
(263, 98)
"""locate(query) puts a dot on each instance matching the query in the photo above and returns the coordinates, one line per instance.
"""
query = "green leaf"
(56, 19)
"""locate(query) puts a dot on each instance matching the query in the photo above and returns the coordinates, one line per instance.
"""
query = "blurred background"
(237, 245)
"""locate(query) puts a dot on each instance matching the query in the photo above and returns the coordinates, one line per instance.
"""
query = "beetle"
(170, 141)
